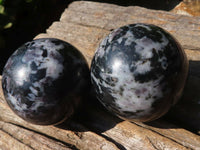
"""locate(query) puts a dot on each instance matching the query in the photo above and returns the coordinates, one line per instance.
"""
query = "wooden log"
(86, 27)
(27, 139)
(94, 128)
(84, 24)
(188, 7)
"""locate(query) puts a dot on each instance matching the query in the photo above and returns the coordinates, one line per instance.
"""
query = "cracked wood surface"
(84, 24)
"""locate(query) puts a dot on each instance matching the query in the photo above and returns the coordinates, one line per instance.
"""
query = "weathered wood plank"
(84, 24)
(100, 130)
(80, 140)
(188, 7)
(93, 21)
(184, 28)
(7, 142)
(30, 139)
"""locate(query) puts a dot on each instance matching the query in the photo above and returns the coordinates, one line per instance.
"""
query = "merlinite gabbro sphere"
(45, 80)
(139, 71)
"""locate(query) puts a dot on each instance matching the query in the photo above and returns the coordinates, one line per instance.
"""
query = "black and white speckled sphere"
(45, 80)
(138, 72)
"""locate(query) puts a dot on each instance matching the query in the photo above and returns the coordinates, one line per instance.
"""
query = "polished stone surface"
(139, 72)
(45, 80)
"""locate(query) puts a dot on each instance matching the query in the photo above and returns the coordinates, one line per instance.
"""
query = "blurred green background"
(22, 20)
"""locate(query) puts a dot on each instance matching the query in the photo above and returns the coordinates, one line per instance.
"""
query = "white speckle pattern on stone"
(134, 71)
(143, 26)
(142, 67)
(44, 80)
(15, 103)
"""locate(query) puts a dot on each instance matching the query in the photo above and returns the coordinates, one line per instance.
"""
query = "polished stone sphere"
(138, 72)
(45, 80)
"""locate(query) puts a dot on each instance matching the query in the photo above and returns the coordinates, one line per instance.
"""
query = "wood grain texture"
(84, 24)
(188, 7)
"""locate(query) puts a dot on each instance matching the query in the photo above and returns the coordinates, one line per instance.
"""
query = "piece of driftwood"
(188, 7)
(84, 24)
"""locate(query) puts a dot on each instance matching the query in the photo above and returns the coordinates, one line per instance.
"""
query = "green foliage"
(22, 20)
(25, 15)
(22, 12)
(4, 21)
(11, 9)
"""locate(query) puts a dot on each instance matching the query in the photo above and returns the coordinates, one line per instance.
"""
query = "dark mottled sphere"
(45, 80)
(139, 71)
